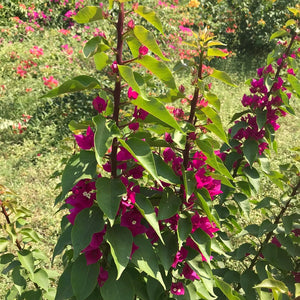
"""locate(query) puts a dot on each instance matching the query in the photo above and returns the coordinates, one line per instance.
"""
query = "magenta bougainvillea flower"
(177, 288)
(143, 50)
(83, 196)
(132, 94)
(189, 273)
(85, 142)
(140, 113)
(132, 220)
(99, 104)
(102, 277)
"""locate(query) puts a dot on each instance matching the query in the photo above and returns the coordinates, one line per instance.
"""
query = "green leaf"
(64, 288)
(203, 241)
(227, 290)
(41, 279)
(168, 205)
(120, 240)
(223, 77)
(87, 222)
(253, 177)
(273, 284)
(250, 151)
(243, 201)
(80, 166)
(276, 177)
(145, 258)
(84, 277)
(154, 289)
(141, 151)
(147, 39)
(63, 240)
(149, 15)
(216, 125)
(109, 195)
(164, 171)
(29, 235)
(88, 14)
(147, 210)
(213, 160)
(279, 33)
(94, 45)
(128, 75)
(295, 83)
(248, 280)
(184, 228)
(189, 183)
(167, 253)
(204, 198)
(26, 260)
(261, 118)
(158, 110)
(101, 60)
(265, 227)
(211, 52)
(116, 289)
(213, 100)
(17, 278)
(76, 84)
(277, 257)
(106, 130)
(159, 69)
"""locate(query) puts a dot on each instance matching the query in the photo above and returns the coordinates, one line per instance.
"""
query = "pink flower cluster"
(263, 101)
(50, 82)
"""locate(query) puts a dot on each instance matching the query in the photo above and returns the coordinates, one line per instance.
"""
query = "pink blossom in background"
(50, 82)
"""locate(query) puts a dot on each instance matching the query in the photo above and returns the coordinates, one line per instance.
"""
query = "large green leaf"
(279, 33)
(158, 110)
(94, 45)
(273, 284)
(223, 77)
(76, 84)
(145, 258)
(101, 60)
(87, 222)
(203, 241)
(63, 240)
(211, 52)
(80, 166)
(84, 277)
(213, 160)
(120, 240)
(117, 289)
(147, 210)
(167, 253)
(106, 130)
(26, 260)
(149, 15)
(109, 195)
(159, 69)
(147, 38)
(295, 83)
(253, 177)
(141, 151)
(250, 151)
(216, 125)
(227, 290)
(89, 14)
(189, 183)
(164, 171)
(64, 288)
(184, 228)
(41, 279)
(128, 75)
(168, 205)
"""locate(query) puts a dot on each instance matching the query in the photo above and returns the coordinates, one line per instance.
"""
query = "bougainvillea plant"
(157, 189)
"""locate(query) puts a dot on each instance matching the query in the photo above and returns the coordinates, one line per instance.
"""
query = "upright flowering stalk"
(147, 187)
